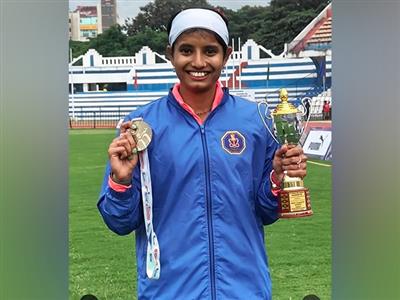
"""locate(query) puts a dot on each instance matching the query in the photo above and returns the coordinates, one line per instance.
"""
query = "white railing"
(118, 61)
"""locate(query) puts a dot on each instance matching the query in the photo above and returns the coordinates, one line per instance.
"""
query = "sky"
(130, 8)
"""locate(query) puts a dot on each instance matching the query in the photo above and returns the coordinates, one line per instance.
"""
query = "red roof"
(319, 30)
(87, 11)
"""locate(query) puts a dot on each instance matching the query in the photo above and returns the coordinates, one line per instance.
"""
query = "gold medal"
(142, 133)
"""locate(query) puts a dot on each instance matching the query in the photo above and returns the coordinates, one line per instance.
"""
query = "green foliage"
(156, 40)
(285, 20)
(293, 5)
(271, 26)
(156, 14)
(111, 42)
(78, 48)
(246, 21)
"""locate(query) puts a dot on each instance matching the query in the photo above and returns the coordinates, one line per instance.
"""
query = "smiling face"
(198, 59)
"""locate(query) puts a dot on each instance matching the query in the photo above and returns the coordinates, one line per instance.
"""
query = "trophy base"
(295, 203)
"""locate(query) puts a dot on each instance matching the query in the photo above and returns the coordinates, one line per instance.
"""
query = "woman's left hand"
(289, 160)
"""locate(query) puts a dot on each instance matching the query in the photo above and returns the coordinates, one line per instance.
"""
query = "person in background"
(326, 110)
(307, 107)
(215, 177)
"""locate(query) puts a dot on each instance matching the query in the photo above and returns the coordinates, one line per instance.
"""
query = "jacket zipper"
(209, 216)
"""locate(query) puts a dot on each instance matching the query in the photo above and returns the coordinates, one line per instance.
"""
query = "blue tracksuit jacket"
(211, 198)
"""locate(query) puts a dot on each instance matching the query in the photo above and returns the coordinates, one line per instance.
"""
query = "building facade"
(85, 23)
(109, 13)
(74, 31)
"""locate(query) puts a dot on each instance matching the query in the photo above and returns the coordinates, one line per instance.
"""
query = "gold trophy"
(294, 198)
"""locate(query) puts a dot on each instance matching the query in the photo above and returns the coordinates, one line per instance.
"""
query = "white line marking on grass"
(319, 164)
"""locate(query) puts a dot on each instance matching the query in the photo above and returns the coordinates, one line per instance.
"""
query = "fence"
(109, 119)
(96, 119)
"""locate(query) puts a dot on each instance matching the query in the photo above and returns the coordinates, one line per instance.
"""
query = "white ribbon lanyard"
(153, 266)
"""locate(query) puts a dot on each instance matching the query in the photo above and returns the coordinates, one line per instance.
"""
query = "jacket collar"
(176, 100)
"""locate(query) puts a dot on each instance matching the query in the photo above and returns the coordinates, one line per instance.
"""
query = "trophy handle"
(265, 116)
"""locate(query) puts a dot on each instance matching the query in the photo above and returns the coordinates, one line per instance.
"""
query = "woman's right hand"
(122, 155)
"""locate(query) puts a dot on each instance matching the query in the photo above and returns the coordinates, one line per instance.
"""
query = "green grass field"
(103, 263)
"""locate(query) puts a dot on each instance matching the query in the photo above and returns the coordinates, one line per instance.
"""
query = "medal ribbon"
(153, 266)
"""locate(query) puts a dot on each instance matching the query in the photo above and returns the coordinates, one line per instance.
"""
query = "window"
(88, 21)
(248, 52)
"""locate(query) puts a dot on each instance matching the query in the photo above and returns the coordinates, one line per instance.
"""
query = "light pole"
(72, 84)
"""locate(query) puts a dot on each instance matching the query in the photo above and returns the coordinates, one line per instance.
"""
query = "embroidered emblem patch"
(233, 142)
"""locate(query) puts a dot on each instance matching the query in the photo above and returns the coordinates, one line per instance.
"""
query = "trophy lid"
(284, 107)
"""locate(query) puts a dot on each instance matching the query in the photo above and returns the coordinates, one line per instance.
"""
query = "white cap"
(198, 18)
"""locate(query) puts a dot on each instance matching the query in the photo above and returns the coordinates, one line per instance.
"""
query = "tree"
(112, 42)
(78, 48)
(245, 21)
(293, 5)
(156, 40)
(284, 20)
(156, 15)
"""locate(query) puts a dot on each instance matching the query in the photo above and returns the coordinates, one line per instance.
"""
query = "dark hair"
(191, 30)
